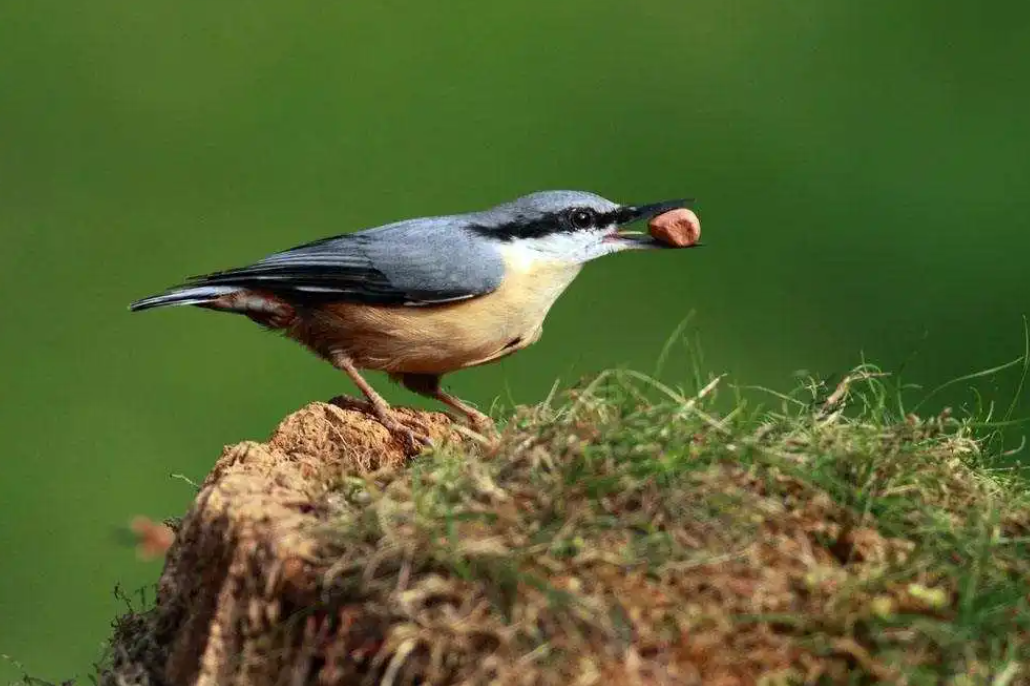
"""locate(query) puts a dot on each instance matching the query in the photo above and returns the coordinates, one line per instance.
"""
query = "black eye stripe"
(547, 225)
(526, 228)
(608, 218)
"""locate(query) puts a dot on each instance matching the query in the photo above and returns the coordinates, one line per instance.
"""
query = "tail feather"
(187, 295)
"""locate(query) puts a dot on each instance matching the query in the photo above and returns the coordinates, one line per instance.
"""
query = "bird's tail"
(183, 295)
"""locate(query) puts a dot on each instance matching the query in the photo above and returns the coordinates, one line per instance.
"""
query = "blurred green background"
(862, 171)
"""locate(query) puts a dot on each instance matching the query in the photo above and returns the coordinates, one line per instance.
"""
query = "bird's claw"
(482, 424)
(413, 433)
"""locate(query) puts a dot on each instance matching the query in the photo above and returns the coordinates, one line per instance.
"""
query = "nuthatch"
(424, 297)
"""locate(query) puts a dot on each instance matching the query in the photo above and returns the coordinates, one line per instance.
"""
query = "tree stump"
(243, 565)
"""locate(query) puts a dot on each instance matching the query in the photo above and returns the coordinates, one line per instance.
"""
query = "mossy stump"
(615, 539)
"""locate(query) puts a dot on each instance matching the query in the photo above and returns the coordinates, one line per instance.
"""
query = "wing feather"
(421, 262)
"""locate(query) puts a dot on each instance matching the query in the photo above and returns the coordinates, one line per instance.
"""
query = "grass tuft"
(628, 532)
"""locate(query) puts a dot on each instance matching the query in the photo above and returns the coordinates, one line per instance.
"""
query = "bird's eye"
(582, 219)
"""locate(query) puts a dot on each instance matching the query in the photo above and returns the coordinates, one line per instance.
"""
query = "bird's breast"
(443, 338)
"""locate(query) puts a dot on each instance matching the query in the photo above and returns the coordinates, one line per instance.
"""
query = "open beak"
(630, 214)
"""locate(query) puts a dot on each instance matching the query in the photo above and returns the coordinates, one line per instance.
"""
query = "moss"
(627, 533)
(632, 534)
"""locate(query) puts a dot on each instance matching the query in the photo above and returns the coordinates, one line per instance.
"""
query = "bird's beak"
(630, 214)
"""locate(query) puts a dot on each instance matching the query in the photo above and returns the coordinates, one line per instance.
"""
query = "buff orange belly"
(443, 338)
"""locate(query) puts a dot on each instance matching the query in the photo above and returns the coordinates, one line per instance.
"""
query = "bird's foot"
(413, 433)
(482, 425)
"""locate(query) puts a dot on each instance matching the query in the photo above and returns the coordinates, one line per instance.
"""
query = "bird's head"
(573, 226)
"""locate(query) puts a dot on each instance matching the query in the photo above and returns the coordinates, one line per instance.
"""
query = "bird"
(424, 297)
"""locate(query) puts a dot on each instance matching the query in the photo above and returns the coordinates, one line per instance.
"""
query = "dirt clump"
(239, 563)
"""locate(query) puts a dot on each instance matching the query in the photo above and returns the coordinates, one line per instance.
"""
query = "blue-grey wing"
(418, 262)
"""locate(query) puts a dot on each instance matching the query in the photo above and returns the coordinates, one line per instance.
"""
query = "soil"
(243, 550)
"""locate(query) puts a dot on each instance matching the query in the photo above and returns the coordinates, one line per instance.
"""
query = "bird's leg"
(414, 431)
(429, 386)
